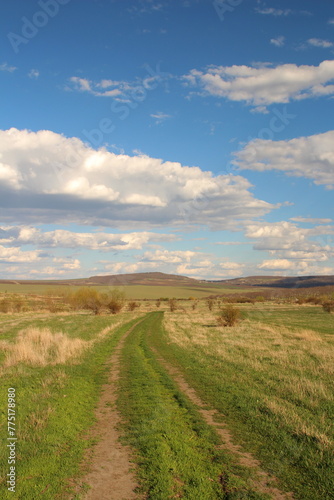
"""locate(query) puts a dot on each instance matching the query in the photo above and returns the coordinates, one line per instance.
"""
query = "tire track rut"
(110, 476)
(262, 481)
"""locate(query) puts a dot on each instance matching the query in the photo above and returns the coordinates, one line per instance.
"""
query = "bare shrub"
(12, 304)
(210, 303)
(132, 305)
(17, 303)
(228, 316)
(328, 306)
(172, 305)
(4, 305)
(158, 303)
(194, 305)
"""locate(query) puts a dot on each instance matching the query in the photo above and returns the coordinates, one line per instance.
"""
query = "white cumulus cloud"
(311, 157)
(46, 177)
(61, 238)
(262, 86)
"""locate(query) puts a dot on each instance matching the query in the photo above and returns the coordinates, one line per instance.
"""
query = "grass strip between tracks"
(177, 452)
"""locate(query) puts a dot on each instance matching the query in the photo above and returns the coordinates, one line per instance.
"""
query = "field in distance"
(154, 285)
(135, 286)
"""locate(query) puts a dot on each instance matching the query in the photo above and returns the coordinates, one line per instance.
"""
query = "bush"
(158, 303)
(172, 305)
(132, 305)
(328, 306)
(210, 303)
(87, 298)
(228, 316)
(4, 305)
(115, 301)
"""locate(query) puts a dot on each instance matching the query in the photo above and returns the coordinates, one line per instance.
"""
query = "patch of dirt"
(263, 482)
(110, 476)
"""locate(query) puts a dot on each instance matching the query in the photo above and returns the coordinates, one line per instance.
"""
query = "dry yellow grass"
(41, 347)
(295, 366)
(288, 414)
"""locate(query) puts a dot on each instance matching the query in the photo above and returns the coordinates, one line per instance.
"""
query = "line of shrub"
(84, 298)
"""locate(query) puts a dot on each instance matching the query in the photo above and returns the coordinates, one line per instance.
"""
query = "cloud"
(60, 238)
(232, 243)
(265, 85)
(312, 220)
(14, 254)
(145, 7)
(208, 269)
(311, 157)
(160, 117)
(33, 73)
(274, 12)
(127, 267)
(68, 264)
(317, 42)
(183, 262)
(170, 257)
(120, 90)
(7, 68)
(279, 41)
(331, 21)
(46, 177)
(296, 268)
(288, 242)
(105, 88)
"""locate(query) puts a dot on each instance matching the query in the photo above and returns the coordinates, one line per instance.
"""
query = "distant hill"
(153, 279)
(280, 281)
(162, 279)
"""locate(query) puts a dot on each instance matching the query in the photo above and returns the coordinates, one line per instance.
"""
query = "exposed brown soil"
(110, 476)
(262, 481)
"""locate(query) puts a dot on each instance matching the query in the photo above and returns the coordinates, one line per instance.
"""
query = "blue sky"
(190, 137)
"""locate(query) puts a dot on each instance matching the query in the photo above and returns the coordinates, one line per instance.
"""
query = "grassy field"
(270, 382)
(55, 395)
(269, 378)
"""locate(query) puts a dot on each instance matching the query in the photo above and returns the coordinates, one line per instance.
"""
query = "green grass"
(296, 317)
(272, 385)
(55, 407)
(270, 379)
(176, 450)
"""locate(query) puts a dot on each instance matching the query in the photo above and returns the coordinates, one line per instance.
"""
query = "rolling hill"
(162, 279)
